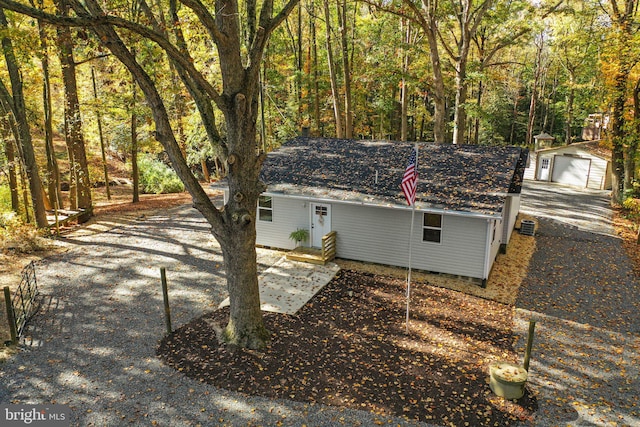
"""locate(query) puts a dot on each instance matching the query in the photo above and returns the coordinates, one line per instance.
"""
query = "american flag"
(410, 178)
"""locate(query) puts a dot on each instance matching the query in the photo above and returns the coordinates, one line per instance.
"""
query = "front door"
(543, 173)
(320, 223)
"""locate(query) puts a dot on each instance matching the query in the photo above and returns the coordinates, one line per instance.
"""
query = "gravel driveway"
(93, 346)
(584, 296)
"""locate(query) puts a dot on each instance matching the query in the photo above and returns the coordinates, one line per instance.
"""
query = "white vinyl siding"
(494, 244)
(510, 215)
(530, 170)
(380, 235)
(288, 215)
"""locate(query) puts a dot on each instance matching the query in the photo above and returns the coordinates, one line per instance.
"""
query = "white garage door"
(571, 170)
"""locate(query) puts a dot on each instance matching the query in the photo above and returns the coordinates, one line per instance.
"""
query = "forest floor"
(459, 332)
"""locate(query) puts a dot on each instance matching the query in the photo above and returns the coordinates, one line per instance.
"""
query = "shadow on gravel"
(582, 277)
(583, 292)
(352, 351)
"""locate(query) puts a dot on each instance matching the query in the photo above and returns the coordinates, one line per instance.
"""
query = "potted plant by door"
(299, 236)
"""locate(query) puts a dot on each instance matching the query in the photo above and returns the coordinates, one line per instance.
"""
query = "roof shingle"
(466, 178)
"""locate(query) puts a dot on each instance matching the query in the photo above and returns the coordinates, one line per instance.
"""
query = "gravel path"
(582, 292)
(93, 345)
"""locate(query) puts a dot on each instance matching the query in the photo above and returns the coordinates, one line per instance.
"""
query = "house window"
(321, 211)
(431, 227)
(265, 209)
(545, 163)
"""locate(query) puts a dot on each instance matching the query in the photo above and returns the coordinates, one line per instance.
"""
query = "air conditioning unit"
(527, 227)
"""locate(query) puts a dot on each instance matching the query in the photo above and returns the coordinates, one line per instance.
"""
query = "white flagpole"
(413, 212)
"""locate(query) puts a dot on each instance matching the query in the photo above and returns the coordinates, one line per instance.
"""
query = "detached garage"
(583, 165)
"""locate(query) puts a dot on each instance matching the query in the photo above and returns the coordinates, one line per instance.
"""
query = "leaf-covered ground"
(349, 347)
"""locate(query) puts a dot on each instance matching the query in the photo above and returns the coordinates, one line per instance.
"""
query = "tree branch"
(207, 20)
(86, 19)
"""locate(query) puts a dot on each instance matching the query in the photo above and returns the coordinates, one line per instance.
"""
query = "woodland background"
(487, 72)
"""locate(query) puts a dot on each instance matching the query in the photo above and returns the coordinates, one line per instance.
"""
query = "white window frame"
(431, 227)
(265, 213)
(546, 162)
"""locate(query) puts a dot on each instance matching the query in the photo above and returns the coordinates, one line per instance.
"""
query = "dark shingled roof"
(465, 178)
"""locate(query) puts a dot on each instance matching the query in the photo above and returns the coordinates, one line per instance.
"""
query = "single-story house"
(581, 164)
(468, 198)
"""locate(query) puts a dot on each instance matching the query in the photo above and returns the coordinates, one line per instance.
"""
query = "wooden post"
(11, 316)
(165, 294)
(527, 353)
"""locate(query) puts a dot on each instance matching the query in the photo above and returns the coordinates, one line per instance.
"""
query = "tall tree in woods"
(621, 56)
(468, 15)
(405, 31)
(314, 89)
(80, 185)
(239, 61)
(10, 155)
(331, 63)
(574, 46)
(506, 25)
(539, 67)
(53, 171)
(455, 35)
(341, 9)
(426, 14)
(15, 103)
(135, 173)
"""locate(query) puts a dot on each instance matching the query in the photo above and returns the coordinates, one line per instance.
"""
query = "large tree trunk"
(439, 94)
(630, 169)
(464, 44)
(405, 30)
(460, 114)
(569, 111)
(233, 226)
(135, 173)
(18, 108)
(534, 94)
(73, 119)
(617, 135)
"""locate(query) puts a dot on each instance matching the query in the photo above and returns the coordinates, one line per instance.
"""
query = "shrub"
(632, 206)
(157, 178)
(19, 237)
(5, 198)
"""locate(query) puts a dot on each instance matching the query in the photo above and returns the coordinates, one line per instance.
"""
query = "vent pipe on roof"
(376, 177)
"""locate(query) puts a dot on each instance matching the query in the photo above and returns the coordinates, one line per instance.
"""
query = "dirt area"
(350, 347)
